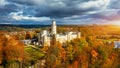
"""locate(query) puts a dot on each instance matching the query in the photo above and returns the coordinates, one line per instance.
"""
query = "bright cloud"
(71, 11)
(20, 16)
(94, 4)
(3, 2)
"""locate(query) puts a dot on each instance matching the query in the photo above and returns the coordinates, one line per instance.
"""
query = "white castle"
(45, 37)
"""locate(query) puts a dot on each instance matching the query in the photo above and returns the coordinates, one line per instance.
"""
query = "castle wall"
(45, 36)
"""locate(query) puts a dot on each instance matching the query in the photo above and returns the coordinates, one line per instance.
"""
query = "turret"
(53, 28)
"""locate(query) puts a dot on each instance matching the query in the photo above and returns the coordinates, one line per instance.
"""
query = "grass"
(34, 53)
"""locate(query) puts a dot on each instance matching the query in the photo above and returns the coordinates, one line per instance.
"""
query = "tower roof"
(53, 22)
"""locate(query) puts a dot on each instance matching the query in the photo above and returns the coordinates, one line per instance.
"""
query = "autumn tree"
(12, 50)
(56, 54)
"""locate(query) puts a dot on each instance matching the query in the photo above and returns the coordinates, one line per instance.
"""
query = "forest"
(95, 48)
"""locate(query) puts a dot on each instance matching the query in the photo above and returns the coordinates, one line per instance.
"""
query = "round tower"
(53, 28)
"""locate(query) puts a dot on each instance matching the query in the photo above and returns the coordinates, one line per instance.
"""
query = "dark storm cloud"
(72, 10)
(66, 8)
(22, 2)
(7, 9)
(59, 8)
(37, 2)
(61, 13)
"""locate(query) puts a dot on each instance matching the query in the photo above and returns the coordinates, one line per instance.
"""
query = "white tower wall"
(53, 28)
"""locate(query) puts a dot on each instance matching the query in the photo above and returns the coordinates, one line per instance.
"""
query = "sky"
(63, 11)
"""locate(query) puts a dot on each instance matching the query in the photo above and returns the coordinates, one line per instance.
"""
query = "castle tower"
(78, 34)
(53, 28)
(42, 37)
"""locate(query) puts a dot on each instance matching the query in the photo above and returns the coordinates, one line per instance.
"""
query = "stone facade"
(116, 44)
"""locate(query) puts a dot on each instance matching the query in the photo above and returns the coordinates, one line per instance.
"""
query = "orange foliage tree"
(10, 49)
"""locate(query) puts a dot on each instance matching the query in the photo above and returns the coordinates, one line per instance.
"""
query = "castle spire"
(53, 28)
